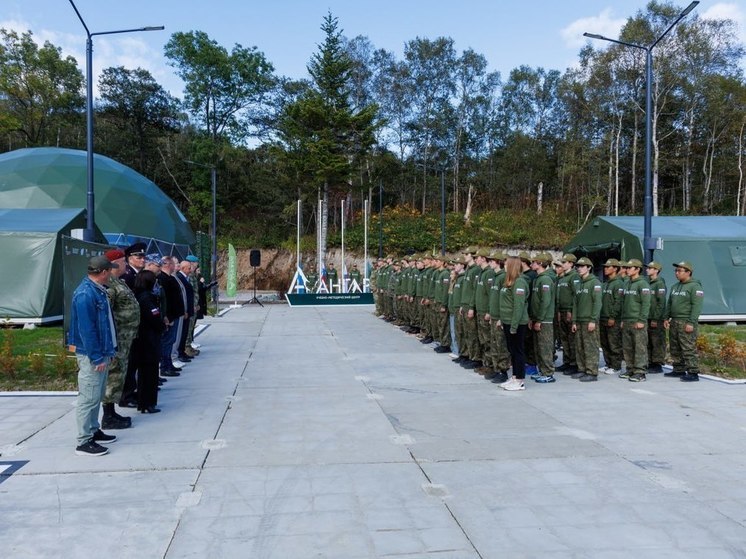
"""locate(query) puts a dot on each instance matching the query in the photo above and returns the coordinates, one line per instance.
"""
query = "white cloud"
(728, 10)
(602, 24)
(129, 51)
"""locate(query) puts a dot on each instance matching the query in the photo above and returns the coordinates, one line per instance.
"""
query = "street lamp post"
(648, 244)
(88, 234)
(442, 211)
(214, 255)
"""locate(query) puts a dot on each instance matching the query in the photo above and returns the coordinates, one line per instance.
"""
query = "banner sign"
(326, 299)
(232, 276)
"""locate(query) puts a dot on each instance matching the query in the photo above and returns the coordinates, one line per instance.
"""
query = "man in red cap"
(126, 312)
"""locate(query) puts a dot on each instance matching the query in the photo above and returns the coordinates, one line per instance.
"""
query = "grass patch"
(722, 350)
(36, 360)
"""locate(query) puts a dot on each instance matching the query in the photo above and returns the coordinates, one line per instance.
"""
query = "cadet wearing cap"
(470, 349)
(566, 285)
(656, 331)
(541, 318)
(611, 318)
(682, 318)
(635, 310)
(586, 312)
(126, 312)
(485, 281)
(135, 256)
(93, 338)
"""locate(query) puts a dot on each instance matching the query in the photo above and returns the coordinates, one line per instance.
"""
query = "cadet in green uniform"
(682, 318)
(611, 318)
(541, 307)
(514, 320)
(566, 285)
(454, 308)
(501, 358)
(126, 312)
(442, 280)
(586, 312)
(635, 310)
(656, 331)
(482, 310)
(312, 278)
(468, 311)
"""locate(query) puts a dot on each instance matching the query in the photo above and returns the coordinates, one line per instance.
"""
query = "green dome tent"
(129, 207)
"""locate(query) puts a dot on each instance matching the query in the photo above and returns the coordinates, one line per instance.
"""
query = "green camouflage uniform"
(126, 312)
(441, 302)
(635, 310)
(194, 281)
(454, 307)
(541, 310)
(471, 347)
(501, 358)
(684, 307)
(586, 309)
(482, 305)
(566, 286)
(611, 309)
(656, 331)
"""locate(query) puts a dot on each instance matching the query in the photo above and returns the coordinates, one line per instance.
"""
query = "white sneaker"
(610, 371)
(602, 369)
(506, 383)
(453, 356)
(195, 345)
(514, 384)
(179, 364)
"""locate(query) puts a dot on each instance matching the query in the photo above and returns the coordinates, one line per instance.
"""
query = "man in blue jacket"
(93, 338)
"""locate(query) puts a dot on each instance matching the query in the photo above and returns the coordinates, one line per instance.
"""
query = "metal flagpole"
(297, 242)
(365, 241)
(318, 239)
(342, 267)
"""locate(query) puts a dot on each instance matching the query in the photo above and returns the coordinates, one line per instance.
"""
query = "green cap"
(470, 250)
(569, 257)
(524, 256)
(484, 252)
(584, 262)
(543, 258)
(655, 265)
(684, 264)
(613, 262)
(633, 263)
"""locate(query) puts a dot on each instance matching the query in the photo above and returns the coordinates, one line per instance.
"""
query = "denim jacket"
(90, 327)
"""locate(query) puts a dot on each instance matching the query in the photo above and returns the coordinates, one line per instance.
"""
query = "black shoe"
(500, 377)
(690, 377)
(489, 375)
(637, 377)
(577, 375)
(570, 371)
(655, 368)
(562, 368)
(170, 374)
(442, 349)
(128, 404)
(674, 374)
(460, 359)
(150, 409)
(184, 358)
(470, 364)
(427, 340)
(100, 437)
(588, 378)
(114, 422)
(91, 448)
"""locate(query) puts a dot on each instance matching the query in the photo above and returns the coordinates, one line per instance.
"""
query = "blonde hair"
(512, 270)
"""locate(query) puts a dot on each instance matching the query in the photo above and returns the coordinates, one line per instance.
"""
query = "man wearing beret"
(682, 318)
(126, 311)
(656, 331)
(135, 256)
(93, 338)
(635, 311)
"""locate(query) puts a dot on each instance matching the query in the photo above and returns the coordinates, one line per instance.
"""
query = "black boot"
(112, 420)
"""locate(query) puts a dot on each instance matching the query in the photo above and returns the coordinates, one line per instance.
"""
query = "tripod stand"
(254, 300)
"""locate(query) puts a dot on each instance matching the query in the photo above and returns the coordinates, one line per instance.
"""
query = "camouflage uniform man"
(541, 318)
(682, 318)
(194, 282)
(468, 311)
(635, 310)
(482, 307)
(501, 358)
(566, 286)
(656, 331)
(586, 312)
(440, 305)
(126, 312)
(357, 277)
(611, 317)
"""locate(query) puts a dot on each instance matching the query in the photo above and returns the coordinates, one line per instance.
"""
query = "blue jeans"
(168, 338)
(91, 389)
(454, 343)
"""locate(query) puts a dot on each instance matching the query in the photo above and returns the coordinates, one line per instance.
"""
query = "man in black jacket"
(174, 311)
(187, 292)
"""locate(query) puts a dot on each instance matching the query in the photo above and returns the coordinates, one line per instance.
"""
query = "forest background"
(523, 160)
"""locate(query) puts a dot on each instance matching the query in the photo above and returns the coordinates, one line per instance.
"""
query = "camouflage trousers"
(118, 369)
(501, 358)
(611, 343)
(190, 332)
(683, 347)
(460, 341)
(543, 341)
(635, 347)
(471, 347)
(657, 343)
(442, 329)
(484, 335)
(586, 349)
(567, 338)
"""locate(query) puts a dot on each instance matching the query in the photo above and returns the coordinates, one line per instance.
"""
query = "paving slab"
(329, 433)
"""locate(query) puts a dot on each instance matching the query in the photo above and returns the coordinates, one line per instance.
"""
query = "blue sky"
(544, 33)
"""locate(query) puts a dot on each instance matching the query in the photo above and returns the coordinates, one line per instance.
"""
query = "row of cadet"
(506, 316)
(329, 280)
(132, 325)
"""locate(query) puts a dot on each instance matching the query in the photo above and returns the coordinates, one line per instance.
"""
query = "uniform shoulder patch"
(699, 293)
(520, 291)
(645, 290)
(597, 288)
(545, 287)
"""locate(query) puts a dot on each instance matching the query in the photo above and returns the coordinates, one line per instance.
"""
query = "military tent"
(129, 207)
(33, 244)
(715, 245)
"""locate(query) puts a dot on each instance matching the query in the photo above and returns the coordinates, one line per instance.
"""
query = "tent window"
(738, 255)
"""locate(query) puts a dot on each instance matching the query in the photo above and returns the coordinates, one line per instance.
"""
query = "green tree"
(40, 91)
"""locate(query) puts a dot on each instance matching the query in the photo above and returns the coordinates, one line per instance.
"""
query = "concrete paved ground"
(328, 433)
